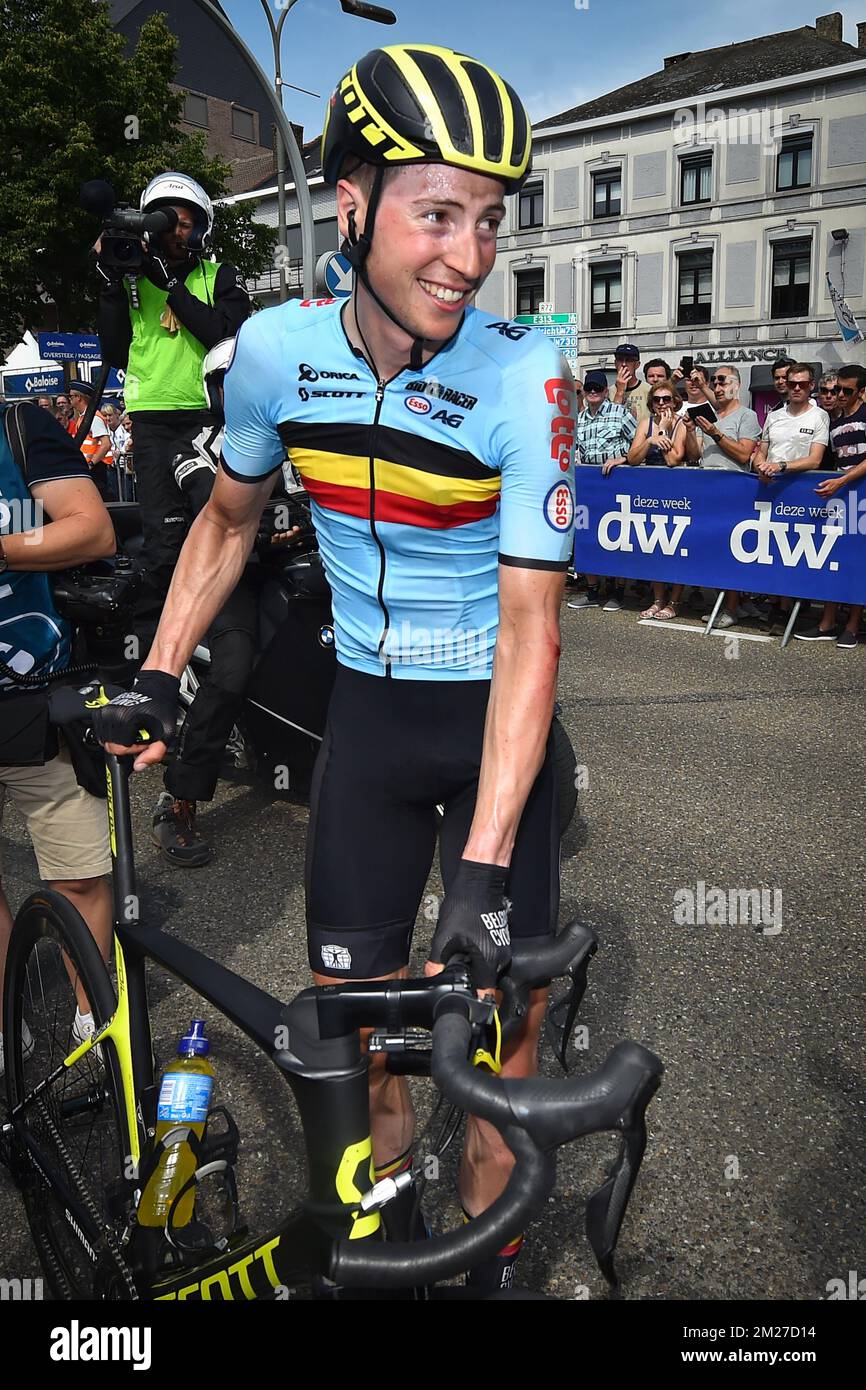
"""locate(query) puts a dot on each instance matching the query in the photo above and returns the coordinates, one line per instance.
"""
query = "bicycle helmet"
(418, 103)
(213, 370)
(167, 189)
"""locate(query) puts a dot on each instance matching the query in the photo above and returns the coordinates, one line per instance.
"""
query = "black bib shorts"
(393, 750)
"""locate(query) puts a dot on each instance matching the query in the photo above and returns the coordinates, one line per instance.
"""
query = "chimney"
(861, 37)
(680, 58)
(829, 26)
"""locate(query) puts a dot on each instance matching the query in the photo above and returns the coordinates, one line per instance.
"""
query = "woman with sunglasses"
(658, 443)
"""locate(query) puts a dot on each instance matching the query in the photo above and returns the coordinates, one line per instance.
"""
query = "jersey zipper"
(380, 591)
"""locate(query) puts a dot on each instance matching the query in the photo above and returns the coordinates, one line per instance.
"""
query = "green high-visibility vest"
(164, 369)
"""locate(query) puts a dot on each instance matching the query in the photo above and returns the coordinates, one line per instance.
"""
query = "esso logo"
(559, 507)
(419, 405)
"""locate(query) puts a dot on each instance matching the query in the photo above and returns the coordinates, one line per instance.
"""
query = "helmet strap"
(356, 249)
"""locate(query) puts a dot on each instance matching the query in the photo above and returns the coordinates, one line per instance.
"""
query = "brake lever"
(607, 1206)
(560, 1029)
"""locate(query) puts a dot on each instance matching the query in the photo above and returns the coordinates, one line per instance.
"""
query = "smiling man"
(436, 443)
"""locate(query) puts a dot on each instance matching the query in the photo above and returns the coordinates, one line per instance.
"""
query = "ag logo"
(559, 507)
(513, 331)
(326, 636)
(453, 420)
(419, 405)
(336, 957)
(306, 372)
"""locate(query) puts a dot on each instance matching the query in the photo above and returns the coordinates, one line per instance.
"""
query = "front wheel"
(70, 1139)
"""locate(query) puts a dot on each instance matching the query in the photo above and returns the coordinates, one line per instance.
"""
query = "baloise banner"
(721, 530)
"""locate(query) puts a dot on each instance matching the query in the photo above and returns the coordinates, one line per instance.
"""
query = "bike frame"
(314, 1041)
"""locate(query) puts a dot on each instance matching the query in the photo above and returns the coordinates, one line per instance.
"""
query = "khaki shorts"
(68, 827)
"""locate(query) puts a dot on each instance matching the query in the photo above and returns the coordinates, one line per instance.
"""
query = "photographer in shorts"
(40, 468)
(186, 305)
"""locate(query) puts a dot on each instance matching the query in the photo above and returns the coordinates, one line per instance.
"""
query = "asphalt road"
(732, 765)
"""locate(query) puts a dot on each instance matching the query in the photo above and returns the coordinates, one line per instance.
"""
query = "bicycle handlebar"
(534, 1117)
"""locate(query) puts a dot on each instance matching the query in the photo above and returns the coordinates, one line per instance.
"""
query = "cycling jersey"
(421, 485)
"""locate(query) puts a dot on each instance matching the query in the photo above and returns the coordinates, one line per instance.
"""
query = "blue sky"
(554, 54)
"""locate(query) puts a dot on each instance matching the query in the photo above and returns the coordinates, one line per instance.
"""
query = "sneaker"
(588, 600)
(614, 602)
(175, 832)
(27, 1048)
(724, 620)
(846, 640)
(815, 634)
(748, 609)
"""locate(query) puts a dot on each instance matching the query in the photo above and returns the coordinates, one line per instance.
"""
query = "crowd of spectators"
(689, 416)
(107, 447)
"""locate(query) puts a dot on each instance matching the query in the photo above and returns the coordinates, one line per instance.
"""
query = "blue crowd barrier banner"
(722, 530)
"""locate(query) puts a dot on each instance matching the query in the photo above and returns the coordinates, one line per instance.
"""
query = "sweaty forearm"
(210, 565)
(515, 737)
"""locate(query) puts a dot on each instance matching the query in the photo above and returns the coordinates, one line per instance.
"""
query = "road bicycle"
(79, 1137)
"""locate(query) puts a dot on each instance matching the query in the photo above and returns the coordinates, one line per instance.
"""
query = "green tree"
(75, 108)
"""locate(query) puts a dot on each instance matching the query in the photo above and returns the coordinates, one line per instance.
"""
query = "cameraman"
(40, 466)
(187, 304)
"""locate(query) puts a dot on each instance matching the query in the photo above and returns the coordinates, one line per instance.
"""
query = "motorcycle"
(279, 731)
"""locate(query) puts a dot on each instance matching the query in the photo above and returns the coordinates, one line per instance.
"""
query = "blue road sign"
(338, 276)
(69, 347)
(33, 383)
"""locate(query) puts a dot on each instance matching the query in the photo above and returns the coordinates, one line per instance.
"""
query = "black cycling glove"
(474, 920)
(149, 708)
(159, 273)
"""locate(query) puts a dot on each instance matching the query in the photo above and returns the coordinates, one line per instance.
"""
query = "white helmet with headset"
(167, 189)
(213, 370)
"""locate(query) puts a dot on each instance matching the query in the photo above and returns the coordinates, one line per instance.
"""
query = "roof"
(310, 153)
(693, 75)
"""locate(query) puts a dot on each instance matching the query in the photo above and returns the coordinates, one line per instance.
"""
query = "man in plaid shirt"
(604, 433)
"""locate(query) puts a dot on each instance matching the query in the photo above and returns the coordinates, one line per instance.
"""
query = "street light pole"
(285, 136)
(289, 143)
(276, 36)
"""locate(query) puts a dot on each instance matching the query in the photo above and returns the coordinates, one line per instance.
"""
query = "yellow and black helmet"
(412, 103)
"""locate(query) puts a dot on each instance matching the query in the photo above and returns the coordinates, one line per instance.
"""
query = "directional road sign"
(334, 272)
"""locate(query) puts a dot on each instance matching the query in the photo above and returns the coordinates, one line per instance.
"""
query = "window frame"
(606, 270)
(534, 189)
(529, 273)
(245, 111)
(784, 248)
(197, 96)
(797, 142)
(694, 319)
(606, 174)
(703, 159)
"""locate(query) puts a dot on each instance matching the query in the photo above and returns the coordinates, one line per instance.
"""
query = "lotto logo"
(418, 405)
(336, 957)
(559, 507)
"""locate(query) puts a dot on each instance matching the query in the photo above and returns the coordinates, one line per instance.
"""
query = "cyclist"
(436, 444)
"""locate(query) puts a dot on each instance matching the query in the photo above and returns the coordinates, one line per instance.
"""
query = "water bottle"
(184, 1099)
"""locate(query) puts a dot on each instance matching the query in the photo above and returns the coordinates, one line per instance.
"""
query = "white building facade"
(700, 228)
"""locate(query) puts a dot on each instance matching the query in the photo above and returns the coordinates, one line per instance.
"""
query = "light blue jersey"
(420, 486)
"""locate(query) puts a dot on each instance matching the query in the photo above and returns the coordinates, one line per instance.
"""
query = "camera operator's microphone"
(97, 196)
